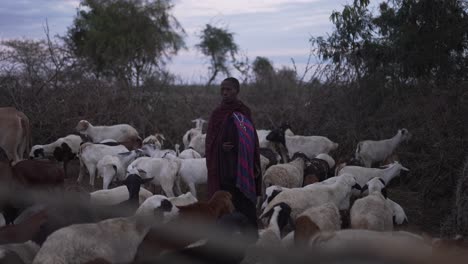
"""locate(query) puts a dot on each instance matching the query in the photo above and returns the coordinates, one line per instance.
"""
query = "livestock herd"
(309, 201)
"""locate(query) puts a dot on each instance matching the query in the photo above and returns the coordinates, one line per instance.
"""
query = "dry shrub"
(436, 116)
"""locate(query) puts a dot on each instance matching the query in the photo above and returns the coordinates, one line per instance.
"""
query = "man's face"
(228, 91)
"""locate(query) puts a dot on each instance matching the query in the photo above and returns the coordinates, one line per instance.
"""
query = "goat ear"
(405, 169)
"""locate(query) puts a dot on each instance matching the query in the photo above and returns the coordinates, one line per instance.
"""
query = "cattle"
(15, 133)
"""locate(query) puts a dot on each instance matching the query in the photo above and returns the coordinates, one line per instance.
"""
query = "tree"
(263, 70)
(217, 43)
(123, 38)
(408, 39)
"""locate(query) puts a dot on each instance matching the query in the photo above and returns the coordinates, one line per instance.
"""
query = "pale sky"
(277, 29)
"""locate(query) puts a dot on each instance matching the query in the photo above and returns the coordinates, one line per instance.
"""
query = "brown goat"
(219, 205)
(38, 172)
(206, 212)
(23, 231)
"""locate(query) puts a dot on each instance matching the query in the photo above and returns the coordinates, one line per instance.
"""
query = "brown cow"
(15, 133)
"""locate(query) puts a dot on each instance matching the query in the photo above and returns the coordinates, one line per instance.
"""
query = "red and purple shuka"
(233, 170)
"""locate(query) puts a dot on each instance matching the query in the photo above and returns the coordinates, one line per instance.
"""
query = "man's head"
(229, 89)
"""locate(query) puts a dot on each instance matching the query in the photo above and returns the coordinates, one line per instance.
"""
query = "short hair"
(233, 81)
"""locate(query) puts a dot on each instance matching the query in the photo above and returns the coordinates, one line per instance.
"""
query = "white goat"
(156, 139)
(198, 144)
(363, 174)
(112, 167)
(399, 215)
(193, 172)
(163, 171)
(154, 202)
(191, 133)
(370, 151)
(189, 154)
(153, 151)
(378, 185)
(300, 199)
(90, 154)
(116, 195)
(122, 133)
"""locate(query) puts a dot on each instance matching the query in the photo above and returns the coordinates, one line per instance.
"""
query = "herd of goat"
(310, 204)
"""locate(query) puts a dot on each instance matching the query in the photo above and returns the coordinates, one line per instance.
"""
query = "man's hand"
(227, 146)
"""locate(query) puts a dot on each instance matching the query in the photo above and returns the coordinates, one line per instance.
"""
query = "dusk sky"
(277, 29)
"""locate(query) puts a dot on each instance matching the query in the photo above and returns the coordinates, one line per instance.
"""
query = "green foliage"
(408, 39)
(125, 38)
(263, 69)
(218, 44)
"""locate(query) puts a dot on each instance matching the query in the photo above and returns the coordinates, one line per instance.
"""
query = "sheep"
(90, 154)
(270, 236)
(191, 133)
(192, 172)
(363, 174)
(372, 212)
(112, 167)
(116, 196)
(318, 169)
(189, 153)
(316, 219)
(115, 240)
(300, 199)
(156, 139)
(154, 202)
(63, 150)
(122, 133)
(289, 175)
(164, 172)
(309, 145)
(198, 144)
(370, 151)
(47, 151)
(23, 252)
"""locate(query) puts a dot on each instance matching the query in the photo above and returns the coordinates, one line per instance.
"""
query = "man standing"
(232, 151)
